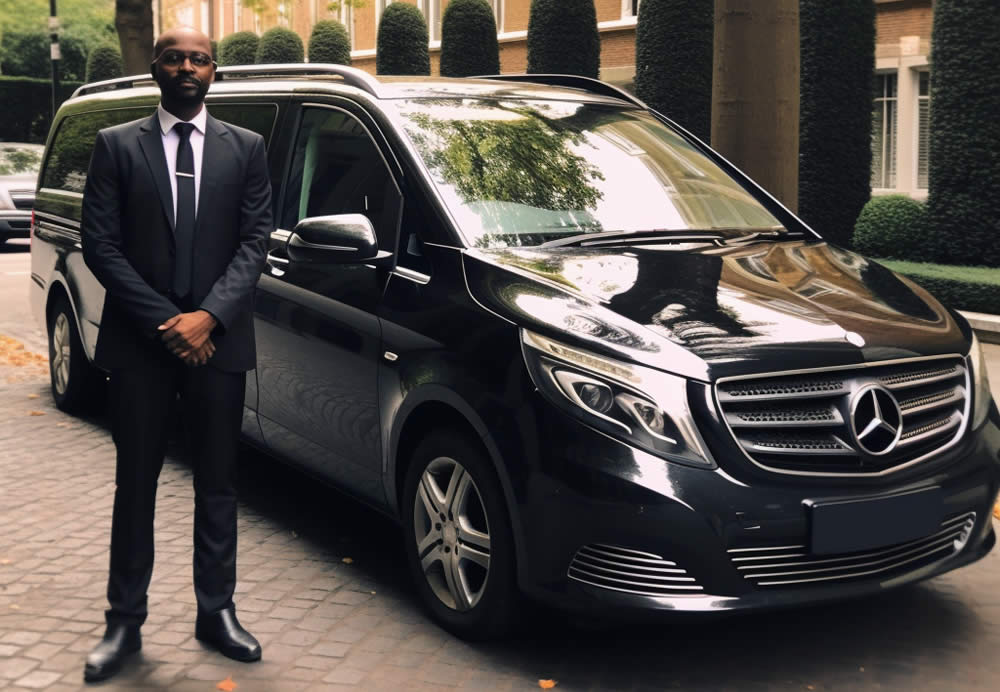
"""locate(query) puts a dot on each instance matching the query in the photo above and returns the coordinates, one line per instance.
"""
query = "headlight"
(641, 406)
(981, 396)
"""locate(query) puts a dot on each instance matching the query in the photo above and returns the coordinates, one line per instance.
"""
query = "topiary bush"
(401, 46)
(563, 38)
(835, 113)
(280, 45)
(239, 49)
(673, 61)
(104, 62)
(469, 39)
(963, 205)
(330, 42)
(891, 226)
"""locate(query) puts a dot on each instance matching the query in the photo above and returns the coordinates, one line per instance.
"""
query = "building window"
(237, 14)
(497, 6)
(205, 17)
(923, 129)
(884, 125)
(630, 8)
(380, 6)
(432, 13)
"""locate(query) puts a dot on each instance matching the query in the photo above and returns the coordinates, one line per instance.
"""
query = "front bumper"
(586, 489)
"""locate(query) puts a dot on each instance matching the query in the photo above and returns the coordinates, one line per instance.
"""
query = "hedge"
(835, 116)
(892, 226)
(401, 46)
(27, 54)
(329, 42)
(104, 62)
(27, 108)
(280, 45)
(238, 49)
(563, 38)
(976, 289)
(963, 204)
(469, 39)
(673, 63)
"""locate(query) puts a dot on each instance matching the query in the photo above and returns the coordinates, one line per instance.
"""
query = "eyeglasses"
(173, 58)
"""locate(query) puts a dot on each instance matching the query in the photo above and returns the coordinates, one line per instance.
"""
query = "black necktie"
(184, 227)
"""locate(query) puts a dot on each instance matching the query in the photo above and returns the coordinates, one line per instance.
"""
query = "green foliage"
(280, 45)
(835, 121)
(27, 107)
(26, 54)
(563, 38)
(673, 63)
(238, 49)
(469, 39)
(976, 289)
(329, 42)
(104, 62)
(215, 49)
(17, 160)
(92, 21)
(891, 226)
(963, 205)
(401, 47)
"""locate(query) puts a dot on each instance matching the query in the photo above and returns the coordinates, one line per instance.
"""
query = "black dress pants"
(211, 408)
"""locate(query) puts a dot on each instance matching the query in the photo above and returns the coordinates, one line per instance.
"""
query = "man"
(176, 213)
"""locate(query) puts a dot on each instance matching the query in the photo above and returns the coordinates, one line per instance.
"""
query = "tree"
(280, 45)
(469, 39)
(673, 60)
(329, 42)
(134, 22)
(563, 38)
(835, 120)
(401, 45)
(755, 91)
(26, 54)
(239, 49)
(104, 62)
(963, 204)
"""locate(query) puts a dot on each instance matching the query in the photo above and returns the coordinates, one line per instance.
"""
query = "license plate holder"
(856, 524)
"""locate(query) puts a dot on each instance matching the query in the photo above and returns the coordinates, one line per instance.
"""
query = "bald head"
(184, 38)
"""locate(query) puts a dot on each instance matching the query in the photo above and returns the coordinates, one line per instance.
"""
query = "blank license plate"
(848, 526)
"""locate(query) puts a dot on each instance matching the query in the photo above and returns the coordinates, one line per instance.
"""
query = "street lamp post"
(54, 51)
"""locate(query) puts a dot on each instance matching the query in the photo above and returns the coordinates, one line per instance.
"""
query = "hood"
(706, 312)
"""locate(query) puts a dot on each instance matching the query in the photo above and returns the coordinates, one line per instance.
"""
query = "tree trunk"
(134, 22)
(755, 92)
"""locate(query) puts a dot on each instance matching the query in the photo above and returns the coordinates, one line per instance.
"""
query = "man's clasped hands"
(187, 336)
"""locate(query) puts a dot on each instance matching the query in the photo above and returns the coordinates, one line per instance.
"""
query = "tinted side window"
(258, 117)
(337, 169)
(69, 156)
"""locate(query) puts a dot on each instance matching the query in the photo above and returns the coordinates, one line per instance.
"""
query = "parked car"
(19, 164)
(571, 349)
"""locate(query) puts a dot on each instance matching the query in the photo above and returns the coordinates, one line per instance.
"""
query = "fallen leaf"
(5, 561)
(996, 510)
(810, 687)
(32, 396)
(862, 669)
(14, 606)
(546, 684)
(347, 560)
(36, 413)
(227, 685)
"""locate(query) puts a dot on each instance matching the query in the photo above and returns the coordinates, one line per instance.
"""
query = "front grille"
(630, 571)
(800, 423)
(23, 199)
(792, 565)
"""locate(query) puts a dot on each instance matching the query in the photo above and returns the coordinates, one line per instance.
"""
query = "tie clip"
(186, 175)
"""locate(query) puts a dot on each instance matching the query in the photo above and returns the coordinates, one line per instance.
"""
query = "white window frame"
(627, 10)
(916, 130)
(498, 11)
(889, 163)
(237, 12)
(347, 19)
(380, 6)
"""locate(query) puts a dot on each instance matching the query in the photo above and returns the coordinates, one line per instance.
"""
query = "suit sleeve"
(235, 287)
(100, 228)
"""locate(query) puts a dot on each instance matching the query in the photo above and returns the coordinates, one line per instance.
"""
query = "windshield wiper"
(602, 237)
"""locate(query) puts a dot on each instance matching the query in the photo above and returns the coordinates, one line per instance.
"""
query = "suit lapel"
(151, 142)
(213, 161)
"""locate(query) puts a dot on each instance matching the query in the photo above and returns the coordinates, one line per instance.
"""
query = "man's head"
(183, 66)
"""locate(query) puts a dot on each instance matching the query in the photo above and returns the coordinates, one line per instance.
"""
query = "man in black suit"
(176, 213)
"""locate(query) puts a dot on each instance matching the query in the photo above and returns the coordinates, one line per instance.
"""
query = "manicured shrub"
(280, 45)
(563, 38)
(891, 226)
(104, 62)
(401, 46)
(963, 206)
(239, 49)
(976, 289)
(673, 61)
(330, 42)
(469, 39)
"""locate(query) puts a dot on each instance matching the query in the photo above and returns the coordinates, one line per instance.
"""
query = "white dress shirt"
(170, 141)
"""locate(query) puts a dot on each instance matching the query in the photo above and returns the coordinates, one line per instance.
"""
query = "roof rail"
(594, 86)
(351, 76)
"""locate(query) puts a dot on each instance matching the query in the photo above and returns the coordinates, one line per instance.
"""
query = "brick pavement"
(328, 625)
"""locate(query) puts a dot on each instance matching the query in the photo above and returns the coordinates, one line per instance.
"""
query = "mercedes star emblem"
(876, 421)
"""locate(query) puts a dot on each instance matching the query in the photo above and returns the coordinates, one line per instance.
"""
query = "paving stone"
(37, 680)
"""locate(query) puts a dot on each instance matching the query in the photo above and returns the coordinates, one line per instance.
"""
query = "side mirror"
(337, 239)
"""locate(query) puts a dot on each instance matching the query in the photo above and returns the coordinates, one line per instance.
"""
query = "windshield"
(19, 159)
(525, 172)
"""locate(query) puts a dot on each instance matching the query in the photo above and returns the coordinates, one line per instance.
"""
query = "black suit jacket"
(128, 239)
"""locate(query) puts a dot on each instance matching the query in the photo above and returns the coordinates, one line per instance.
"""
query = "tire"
(77, 386)
(468, 598)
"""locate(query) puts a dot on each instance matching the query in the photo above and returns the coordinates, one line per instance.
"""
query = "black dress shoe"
(223, 631)
(106, 659)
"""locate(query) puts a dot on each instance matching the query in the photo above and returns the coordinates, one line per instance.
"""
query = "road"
(322, 583)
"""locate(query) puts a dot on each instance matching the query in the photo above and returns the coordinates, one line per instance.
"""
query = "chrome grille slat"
(611, 553)
(629, 571)
(853, 575)
(588, 568)
(637, 591)
(930, 402)
(590, 558)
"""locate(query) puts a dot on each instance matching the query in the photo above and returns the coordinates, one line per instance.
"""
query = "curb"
(987, 326)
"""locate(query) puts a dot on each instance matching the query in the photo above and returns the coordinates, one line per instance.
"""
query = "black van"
(575, 352)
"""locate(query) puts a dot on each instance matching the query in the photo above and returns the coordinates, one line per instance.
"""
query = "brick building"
(899, 141)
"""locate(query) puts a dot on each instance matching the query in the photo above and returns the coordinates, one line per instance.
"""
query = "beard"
(180, 89)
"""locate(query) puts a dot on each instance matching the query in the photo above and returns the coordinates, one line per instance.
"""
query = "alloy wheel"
(61, 353)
